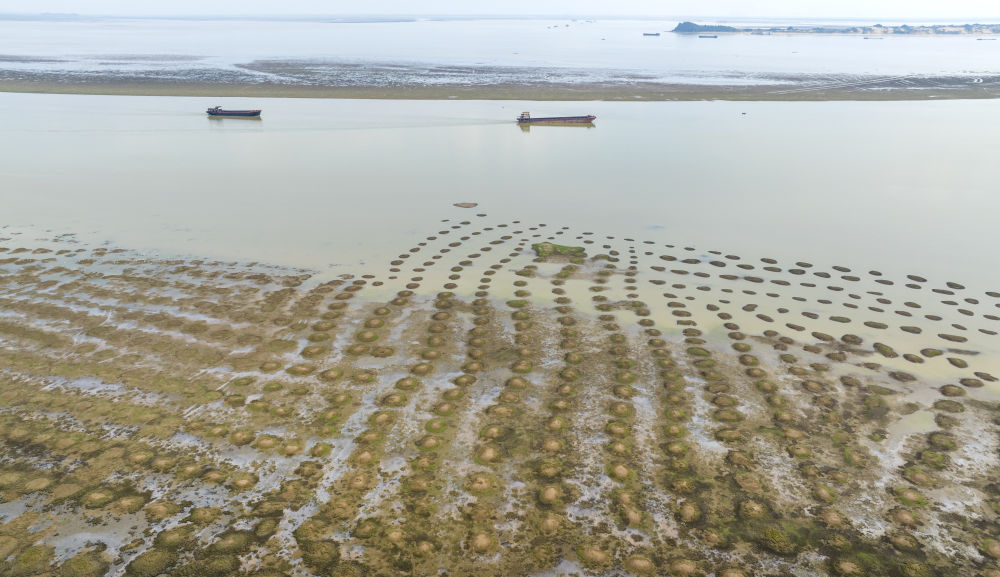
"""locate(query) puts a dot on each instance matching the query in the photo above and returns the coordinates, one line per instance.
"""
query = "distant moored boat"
(650, 33)
(526, 118)
(219, 111)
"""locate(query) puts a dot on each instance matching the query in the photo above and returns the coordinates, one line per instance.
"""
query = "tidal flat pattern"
(503, 399)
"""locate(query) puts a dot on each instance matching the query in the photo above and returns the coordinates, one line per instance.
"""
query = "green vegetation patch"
(87, 564)
(151, 563)
(546, 249)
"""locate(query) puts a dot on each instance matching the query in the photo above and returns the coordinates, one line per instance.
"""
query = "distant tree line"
(692, 27)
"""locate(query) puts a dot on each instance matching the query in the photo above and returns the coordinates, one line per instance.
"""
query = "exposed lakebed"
(501, 397)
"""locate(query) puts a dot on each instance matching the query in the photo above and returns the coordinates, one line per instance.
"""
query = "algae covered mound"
(545, 249)
(492, 402)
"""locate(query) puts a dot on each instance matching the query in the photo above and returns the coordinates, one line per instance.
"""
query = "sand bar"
(787, 88)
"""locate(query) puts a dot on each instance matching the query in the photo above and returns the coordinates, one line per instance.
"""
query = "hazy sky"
(980, 10)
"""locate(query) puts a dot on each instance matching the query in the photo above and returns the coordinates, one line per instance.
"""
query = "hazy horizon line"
(474, 16)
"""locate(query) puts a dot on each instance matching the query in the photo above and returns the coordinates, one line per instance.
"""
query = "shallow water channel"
(904, 187)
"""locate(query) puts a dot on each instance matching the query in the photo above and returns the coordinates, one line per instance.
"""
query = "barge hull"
(558, 120)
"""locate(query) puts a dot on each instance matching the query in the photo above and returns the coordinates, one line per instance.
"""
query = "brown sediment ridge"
(505, 398)
(791, 88)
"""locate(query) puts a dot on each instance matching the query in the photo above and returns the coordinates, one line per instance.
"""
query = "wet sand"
(501, 398)
(779, 88)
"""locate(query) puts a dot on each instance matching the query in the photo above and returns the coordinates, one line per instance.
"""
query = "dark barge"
(219, 111)
(526, 118)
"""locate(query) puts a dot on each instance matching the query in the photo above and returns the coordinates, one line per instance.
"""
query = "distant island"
(877, 29)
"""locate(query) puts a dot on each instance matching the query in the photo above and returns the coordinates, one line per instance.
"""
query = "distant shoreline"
(807, 88)
(991, 30)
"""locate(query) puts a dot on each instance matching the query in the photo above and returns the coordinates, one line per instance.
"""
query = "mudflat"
(780, 88)
(500, 398)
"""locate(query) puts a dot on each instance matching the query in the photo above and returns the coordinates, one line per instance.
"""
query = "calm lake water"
(567, 50)
(903, 187)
